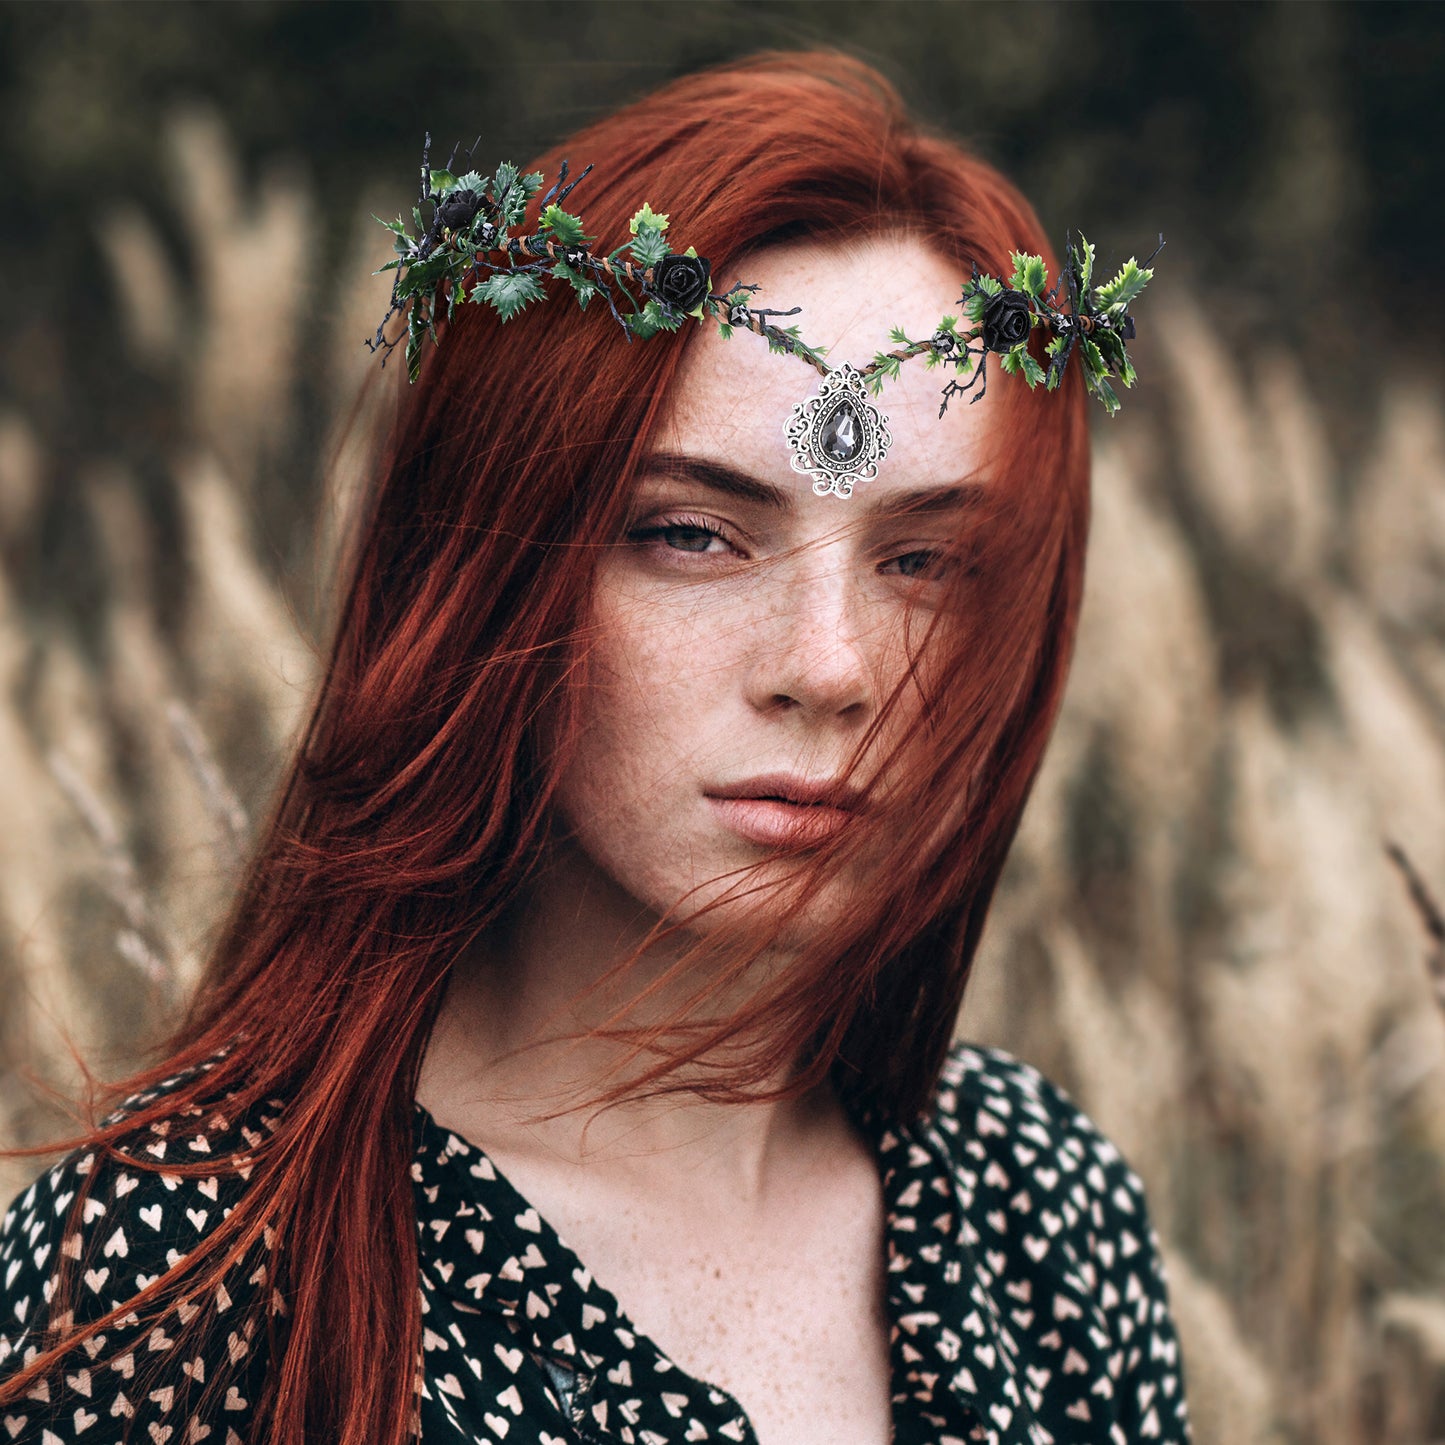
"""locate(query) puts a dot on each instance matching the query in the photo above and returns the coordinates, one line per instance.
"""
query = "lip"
(781, 808)
(790, 788)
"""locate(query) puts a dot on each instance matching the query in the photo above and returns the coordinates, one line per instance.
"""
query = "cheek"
(632, 791)
(645, 692)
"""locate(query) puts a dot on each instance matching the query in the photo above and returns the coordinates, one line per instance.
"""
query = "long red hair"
(396, 840)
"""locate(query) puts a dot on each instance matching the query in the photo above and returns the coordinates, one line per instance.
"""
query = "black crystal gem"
(841, 438)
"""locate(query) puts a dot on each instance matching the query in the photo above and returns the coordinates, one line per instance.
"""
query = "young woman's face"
(746, 630)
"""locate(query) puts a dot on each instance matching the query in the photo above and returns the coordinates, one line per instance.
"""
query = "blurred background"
(1200, 932)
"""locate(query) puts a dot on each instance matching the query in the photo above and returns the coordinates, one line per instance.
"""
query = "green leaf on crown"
(650, 320)
(1009, 361)
(1084, 263)
(472, 181)
(889, 367)
(504, 180)
(423, 276)
(653, 220)
(1033, 372)
(1107, 395)
(650, 246)
(1111, 347)
(1096, 375)
(443, 181)
(396, 227)
(949, 326)
(977, 296)
(416, 334)
(563, 227)
(1052, 351)
(1119, 292)
(508, 292)
(511, 191)
(584, 286)
(773, 336)
(1030, 274)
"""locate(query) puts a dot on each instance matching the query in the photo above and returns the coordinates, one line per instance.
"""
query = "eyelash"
(655, 531)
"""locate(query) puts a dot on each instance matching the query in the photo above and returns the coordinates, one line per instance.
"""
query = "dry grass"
(1199, 932)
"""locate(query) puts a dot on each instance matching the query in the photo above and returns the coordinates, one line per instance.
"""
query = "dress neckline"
(486, 1244)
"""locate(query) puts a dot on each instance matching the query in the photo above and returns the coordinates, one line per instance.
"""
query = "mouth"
(782, 809)
(789, 788)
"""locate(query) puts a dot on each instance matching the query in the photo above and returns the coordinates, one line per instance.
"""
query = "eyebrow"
(719, 477)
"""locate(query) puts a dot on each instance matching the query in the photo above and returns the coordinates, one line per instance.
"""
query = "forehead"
(732, 397)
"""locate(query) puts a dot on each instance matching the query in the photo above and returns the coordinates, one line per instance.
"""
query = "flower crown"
(474, 247)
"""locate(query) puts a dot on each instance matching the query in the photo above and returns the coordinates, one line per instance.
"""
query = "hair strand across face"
(397, 838)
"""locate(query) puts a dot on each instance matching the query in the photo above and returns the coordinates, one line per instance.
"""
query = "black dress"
(1026, 1295)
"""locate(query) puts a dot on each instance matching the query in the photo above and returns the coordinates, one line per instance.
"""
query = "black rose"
(456, 209)
(682, 281)
(1005, 320)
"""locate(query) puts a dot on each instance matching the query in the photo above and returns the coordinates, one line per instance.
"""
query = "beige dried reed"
(1199, 931)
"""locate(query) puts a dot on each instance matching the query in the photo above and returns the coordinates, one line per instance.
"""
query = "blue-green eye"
(687, 539)
(683, 534)
(928, 564)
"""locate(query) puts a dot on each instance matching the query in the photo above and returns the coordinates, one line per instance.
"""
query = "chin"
(756, 893)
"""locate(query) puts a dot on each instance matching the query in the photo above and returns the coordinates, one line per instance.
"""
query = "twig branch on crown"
(648, 287)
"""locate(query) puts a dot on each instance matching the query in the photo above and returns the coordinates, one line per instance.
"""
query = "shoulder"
(991, 1103)
(93, 1232)
(1056, 1212)
(126, 1215)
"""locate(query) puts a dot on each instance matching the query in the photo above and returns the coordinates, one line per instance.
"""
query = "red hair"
(395, 840)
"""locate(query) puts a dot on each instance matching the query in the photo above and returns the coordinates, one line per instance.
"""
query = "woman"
(623, 891)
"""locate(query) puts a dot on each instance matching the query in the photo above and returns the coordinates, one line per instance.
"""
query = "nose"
(810, 653)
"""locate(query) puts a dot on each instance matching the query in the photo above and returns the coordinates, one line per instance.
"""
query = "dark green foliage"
(1126, 285)
(472, 216)
(1029, 274)
(508, 292)
(564, 228)
(652, 319)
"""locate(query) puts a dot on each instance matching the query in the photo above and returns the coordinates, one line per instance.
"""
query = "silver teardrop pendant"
(838, 436)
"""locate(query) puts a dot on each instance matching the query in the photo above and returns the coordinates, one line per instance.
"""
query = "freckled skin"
(783, 669)
(744, 1240)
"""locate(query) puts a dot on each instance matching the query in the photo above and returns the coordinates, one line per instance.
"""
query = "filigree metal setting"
(838, 436)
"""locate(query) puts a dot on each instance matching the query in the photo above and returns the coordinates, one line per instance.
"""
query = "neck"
(512, 1064)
